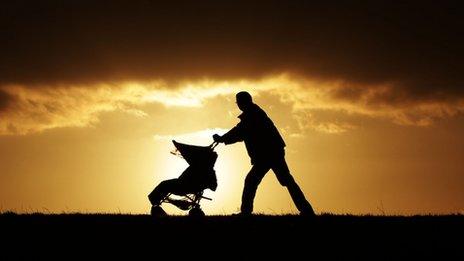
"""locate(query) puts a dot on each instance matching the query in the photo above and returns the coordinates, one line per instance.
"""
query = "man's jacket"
(262, 139)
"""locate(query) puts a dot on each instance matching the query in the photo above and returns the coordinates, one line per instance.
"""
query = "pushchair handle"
(213, 145)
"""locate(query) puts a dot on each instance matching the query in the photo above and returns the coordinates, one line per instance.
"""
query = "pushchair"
(190, 185)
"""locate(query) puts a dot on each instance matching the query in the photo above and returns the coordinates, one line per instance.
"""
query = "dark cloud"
(416, 46)
(5, 100)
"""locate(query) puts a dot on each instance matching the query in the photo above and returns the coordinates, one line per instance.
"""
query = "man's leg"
(252, 181)
(162, 190)
(282, 172)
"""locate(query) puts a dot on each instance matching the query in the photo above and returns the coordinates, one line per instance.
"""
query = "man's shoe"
(308, 213)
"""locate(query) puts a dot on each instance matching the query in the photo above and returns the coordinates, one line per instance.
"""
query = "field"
(290, 237)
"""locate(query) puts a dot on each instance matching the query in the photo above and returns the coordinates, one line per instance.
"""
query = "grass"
(336, 236)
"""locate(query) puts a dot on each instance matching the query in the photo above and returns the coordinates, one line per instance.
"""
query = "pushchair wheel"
(157, 211)
(196, 212)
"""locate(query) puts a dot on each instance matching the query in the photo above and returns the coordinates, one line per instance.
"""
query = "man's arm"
(232, 136)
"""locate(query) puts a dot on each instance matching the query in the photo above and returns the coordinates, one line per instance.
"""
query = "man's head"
(243, 100)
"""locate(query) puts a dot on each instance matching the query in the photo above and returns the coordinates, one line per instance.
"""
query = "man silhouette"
(266, 148)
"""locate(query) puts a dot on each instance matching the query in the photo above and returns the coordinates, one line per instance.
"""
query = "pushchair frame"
(188, 201)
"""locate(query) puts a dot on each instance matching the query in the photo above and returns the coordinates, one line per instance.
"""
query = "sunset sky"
(368, 97)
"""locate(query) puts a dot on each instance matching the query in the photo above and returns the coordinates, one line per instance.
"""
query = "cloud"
(5, 100)
(401, 61)
(38, 109)
(35, 110)
(414, 46)
(309, 98)
(47, 107)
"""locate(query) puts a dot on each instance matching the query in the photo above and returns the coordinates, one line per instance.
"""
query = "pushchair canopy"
(201, 159)
(197, 155)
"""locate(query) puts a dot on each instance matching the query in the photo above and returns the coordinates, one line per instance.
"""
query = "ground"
(327, 236)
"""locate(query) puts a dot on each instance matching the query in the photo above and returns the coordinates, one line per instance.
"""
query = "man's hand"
(217, 138)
